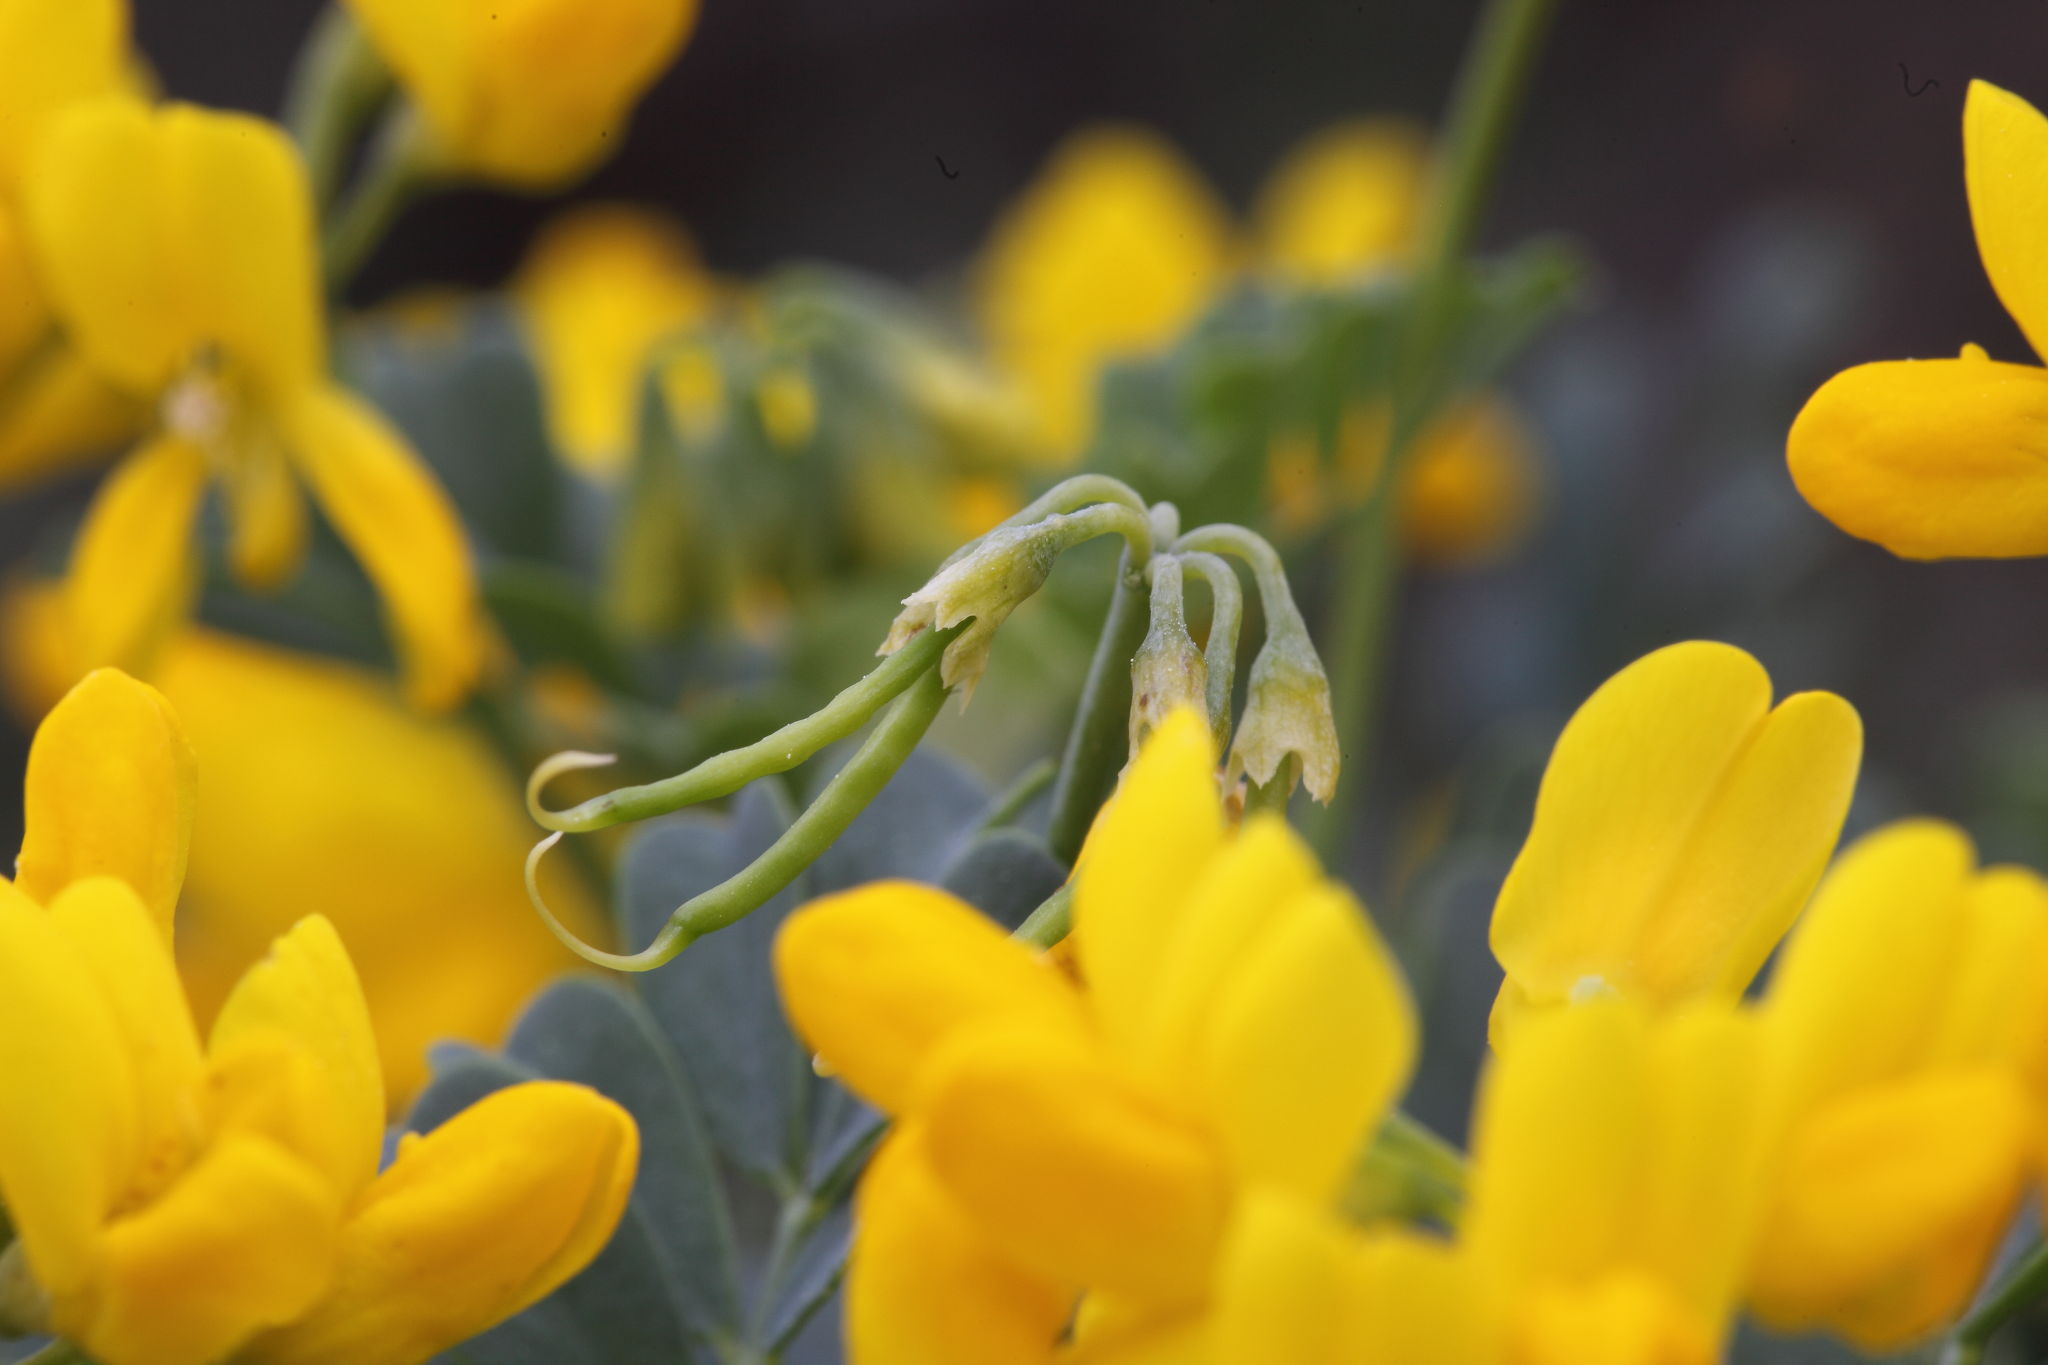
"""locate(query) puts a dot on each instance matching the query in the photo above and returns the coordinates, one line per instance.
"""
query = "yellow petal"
(61, 414)
(1996, 1011)
(875, 978)
(1108, 256)
(1619, 1319)
(68, 1113)
(1890, 1204)
(1680, 826)
(1471, 486)
(1307, 1045)
(1229, 909)
(474, 1221)
(53, 53)
(600, 286)
(131, 571)
(129, 958)
(404, 532)
(1147, 852)
(307, 990)
(1861, 985)
(924, 1287)
(25, 321)
(109, 789)
(2005, 164)
(163, 230)
(246, 1239)
(1070, 1167)
(266, 516)
(1563, 1138)
(1932, 459)
(1345, 201)
(527, 91)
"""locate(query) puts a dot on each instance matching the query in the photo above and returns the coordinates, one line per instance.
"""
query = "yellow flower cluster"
(176, 1199)
(1138, 1158)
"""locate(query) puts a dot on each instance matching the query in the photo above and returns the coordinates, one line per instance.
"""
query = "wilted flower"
(1168, 671)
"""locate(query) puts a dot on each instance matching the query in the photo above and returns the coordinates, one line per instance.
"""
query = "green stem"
(1100, 735)
(849, 792)
(1489, 92)
(1020, 793)
(2024, 1286)
(337, 84)
(1226, 619)
(1051, 921)
(723, 774)
(400, 167)
(1407, 1172)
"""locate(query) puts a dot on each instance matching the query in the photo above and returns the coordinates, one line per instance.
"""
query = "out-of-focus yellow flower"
(177, 245)
(788, 406)
(1241, 1027)
(53, 410)
(1935, 459)
(1680, 826)
(1469, 493)
(599, 288)
(1909, 1025)
(174, 1199)
(529, 92)
(1618, 1178)
(1115, 250)
(1345, 201)
(325, 794)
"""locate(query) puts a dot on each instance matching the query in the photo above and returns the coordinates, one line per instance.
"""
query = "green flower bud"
(1168, 671)
(1287, 711)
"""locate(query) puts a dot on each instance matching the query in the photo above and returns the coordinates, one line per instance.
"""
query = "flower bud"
(1287, 709)
(1168, 671)
(1002, 569)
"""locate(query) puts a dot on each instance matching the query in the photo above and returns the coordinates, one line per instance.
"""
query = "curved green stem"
(1226, 619)
(1051, 921)
(808, 836)
(1276, 597)
(2027, 1284)
(400, 167)
(1407, 1172)
(336, 85)
(723, 774)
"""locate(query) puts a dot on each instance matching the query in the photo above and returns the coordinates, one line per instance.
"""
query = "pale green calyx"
(1168, 671)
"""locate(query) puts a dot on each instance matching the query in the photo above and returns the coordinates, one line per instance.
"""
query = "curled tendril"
(568, 761)
(672, 939)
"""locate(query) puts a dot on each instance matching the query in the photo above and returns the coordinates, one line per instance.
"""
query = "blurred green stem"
(1407, 1172)
(1049, 923)
(2027, 1283)
(1482, 115)
(336, 85)
(400, 166)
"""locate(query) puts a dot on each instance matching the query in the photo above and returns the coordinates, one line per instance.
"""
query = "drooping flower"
(599, 288)
(1241, 1028)
(176, 1201)
(1937, 459)
(1115, 249)
(529, 92)
(177, 245)
(1681, 824)
(1908, 1025)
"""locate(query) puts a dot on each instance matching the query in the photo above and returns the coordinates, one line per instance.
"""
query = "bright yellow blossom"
(599, 288)
(1909, 1026)
(326, 795)
(529, 92)
(1618, 1178)
(1108, 257)
(1935, 459)
(1241, 1027)
(55, 411)
(1344, 201)
(177, 245)
(175, 1200)
(1680, 826)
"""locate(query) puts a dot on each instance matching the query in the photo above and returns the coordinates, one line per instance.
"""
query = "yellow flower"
(1241, 1027)
(174, 1199)
(1109, 256)
(1680, 826)
(325, 794)
(177, 245)
(55, 413)
(529, 92)
(1618, 1177)
(1909, 1025)
(1345, 201)
(1941, 458)
(599, 288)
(1469, 493)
